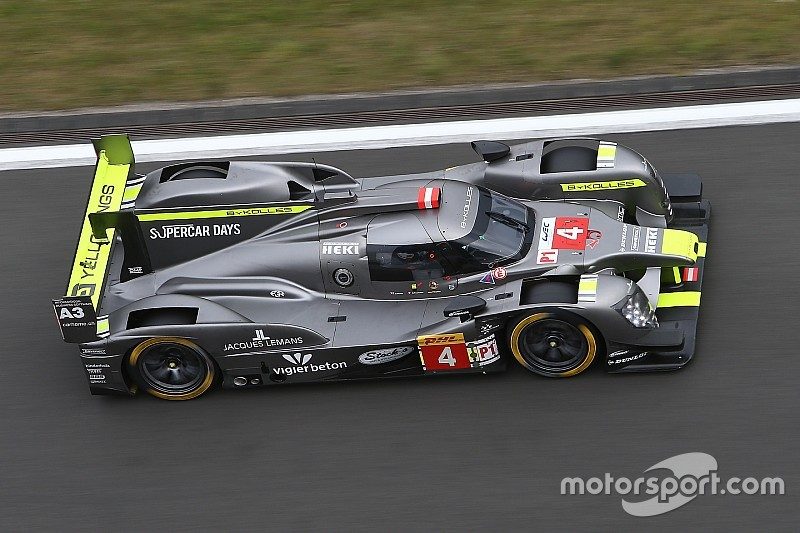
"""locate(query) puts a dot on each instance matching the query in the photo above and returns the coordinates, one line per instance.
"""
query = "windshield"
(498, 236)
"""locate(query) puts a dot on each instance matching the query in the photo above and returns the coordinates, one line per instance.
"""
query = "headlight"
(636, 310)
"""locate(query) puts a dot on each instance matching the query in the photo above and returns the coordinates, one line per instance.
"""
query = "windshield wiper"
(507, 220)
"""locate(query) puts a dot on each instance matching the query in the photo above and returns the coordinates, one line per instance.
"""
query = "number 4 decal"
(443, 352)
(446, 357)
(570, 233)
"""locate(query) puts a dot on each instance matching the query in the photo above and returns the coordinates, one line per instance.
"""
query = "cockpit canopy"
(475, 230)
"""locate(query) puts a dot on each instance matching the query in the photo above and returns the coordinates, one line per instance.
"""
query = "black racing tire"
(171, 368)
(553, 344)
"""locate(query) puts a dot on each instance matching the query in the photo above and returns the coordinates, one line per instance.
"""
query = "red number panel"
(443, 352)
(570, 233)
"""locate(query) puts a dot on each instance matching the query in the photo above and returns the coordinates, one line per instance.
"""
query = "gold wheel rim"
(204, 385)
(587, 334)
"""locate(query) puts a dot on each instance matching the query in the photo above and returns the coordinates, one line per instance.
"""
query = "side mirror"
(466, 307)
(491, 150)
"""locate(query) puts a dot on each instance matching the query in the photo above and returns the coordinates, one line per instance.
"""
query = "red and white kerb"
(691, 273)
(428, 197)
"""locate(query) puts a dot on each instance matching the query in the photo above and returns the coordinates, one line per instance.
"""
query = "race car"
(555, 254)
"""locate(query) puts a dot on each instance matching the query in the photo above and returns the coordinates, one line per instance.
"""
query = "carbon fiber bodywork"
(294, 272)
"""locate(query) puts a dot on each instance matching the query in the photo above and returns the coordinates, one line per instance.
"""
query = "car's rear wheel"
(171, 368)
(553, 344)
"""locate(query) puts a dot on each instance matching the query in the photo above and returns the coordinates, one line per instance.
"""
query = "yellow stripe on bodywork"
(587, 288)
(606, 154)
(131, 193)
(223, 213)
(671, 275)
(606, 151)
(680, 243)
(602, 185)
(102, 326)
(679, 299)
(701, 249)
(91, 256)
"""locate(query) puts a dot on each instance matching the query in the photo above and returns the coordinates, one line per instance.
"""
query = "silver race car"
(555, 254)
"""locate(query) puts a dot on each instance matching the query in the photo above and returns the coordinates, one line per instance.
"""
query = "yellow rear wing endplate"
(90, 266)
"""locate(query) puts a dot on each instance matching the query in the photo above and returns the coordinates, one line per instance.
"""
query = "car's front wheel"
(553, 344)
(171, 368)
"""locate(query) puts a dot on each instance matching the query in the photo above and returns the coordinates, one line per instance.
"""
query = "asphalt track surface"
(472, 452)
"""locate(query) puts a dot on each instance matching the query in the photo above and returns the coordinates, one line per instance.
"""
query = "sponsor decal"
(546, 233)
(97, 372)
(546, 257)
(89, 274)
(223, 213)
(76, 318)
(297, 358)
(93, 351)
(342, 224)
(91, 255)
(340, 248)
(433, 286)
(135, 270)
(546, 254)
(651, 239)
(498, 273)
(602, 185)
(616, 358)
(484, 351)
(301, 364)
(445, 338)
(593, 238)
(251, 211)
(635, 238)
(277, 294)
(261, 340)
(621, 213)
(188, 231)
(486, 327)
(71, 312)
(443, 352)
(384, 355)
(624, 238)
(467, 206)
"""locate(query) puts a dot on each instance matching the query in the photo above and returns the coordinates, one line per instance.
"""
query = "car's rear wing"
(77, 310)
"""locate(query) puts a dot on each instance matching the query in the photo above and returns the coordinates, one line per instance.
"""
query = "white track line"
(372, 137)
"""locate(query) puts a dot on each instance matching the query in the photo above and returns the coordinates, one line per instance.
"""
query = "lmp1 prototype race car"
(551, 253)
